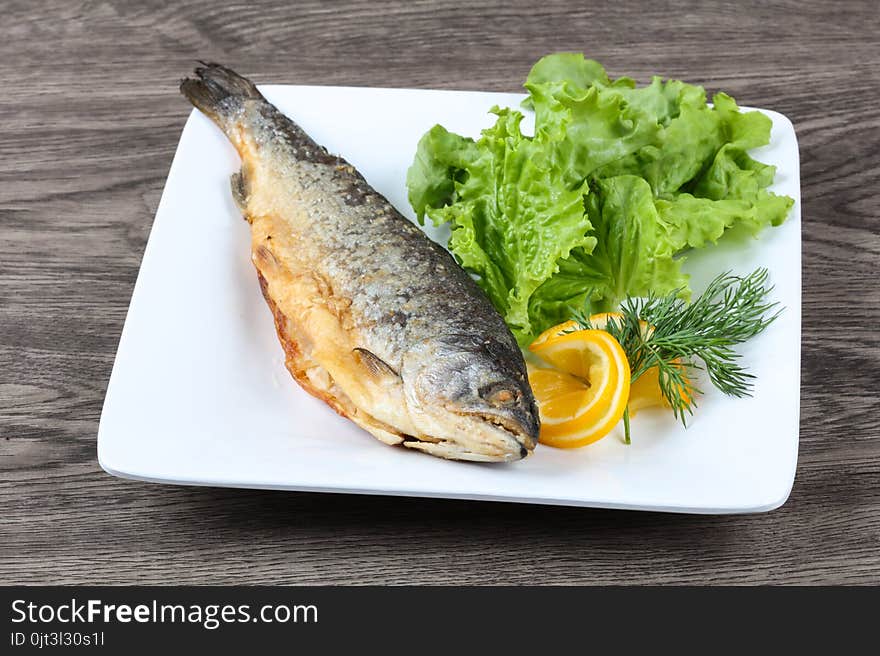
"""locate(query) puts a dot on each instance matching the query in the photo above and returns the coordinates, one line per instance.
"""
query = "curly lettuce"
(615, 184)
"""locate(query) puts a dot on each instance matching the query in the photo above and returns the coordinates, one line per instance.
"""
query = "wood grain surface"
(89, 119)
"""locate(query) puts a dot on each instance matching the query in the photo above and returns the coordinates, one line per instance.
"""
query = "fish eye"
(498, 394)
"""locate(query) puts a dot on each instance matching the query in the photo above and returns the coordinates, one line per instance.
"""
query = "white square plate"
(199, 393)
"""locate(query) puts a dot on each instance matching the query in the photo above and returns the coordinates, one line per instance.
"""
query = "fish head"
(470, 399)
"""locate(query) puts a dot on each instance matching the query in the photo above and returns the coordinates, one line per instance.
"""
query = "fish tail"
(218, 91)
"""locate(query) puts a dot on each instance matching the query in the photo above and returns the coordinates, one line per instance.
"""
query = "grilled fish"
(374, 318)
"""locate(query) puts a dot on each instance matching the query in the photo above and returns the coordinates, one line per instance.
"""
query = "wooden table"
(89, 119)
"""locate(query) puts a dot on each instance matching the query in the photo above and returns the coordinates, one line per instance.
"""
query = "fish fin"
(239, 190)
(375, 366)
(264, 258)
(218, 91)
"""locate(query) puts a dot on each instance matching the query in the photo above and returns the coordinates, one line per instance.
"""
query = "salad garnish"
(679, 338)
(603, 201)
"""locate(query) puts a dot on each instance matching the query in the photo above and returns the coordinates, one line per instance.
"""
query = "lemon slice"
(585, 393)
(644, 392)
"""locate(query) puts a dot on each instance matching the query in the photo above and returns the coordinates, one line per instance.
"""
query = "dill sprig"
(679, 337)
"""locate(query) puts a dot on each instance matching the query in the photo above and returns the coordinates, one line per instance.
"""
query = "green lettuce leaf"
(735, 176)
(616, 184)
(632, 256)
(570, 67)
(430, 180)
(511, 220)
(692, 222)
(585, 129)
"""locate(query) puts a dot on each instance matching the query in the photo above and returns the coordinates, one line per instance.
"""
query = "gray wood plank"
(89, 119)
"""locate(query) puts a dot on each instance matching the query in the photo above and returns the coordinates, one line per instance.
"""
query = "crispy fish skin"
(374, 318)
